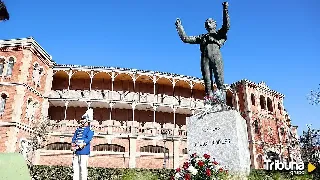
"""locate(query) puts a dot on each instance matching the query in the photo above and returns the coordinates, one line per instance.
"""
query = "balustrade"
(113, 127)
(127, 96)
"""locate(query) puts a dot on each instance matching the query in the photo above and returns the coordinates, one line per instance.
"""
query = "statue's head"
(210, 24)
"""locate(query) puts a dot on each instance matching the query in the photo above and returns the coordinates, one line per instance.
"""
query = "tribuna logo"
(293, 167)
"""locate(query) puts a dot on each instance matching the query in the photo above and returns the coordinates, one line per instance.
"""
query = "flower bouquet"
(217, 98)
(199, 168)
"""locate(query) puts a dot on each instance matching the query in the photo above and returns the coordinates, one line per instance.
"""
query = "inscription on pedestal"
(223, 135)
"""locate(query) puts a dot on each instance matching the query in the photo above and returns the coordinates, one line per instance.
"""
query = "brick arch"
(60, 80)
(164, 86)
(80, 80)
(101, 81)
(198, 90)
(58, 146)
(109, 147)
(153, 149)
(144, 84)
(61, 72)
(123, 82)
(145, 76)
(182, 88)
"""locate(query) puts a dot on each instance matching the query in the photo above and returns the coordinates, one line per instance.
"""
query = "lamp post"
(164, 137)
(4, 15)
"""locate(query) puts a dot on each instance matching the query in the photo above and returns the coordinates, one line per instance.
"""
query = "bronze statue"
(210, 44)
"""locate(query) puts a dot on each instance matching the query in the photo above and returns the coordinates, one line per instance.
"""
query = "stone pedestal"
(223, 135)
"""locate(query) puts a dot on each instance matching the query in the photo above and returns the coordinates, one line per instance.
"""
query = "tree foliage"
(314, 96)
(37, 139)
(310, 147)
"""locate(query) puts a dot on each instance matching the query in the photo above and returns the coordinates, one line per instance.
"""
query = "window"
(229, 99)
(109, 147)
(29, 109)
(260, 161)
(3, 103)
(256, 126)
(253, 100)
(59, 146)
(185, 151)
(10, 66)
(269, 104)
(2, 61)
(153, 149)
(262, 102)
(279, 106)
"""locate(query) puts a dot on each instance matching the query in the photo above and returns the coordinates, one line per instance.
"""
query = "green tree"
(4, 15)
(314, 96)
(310, 144)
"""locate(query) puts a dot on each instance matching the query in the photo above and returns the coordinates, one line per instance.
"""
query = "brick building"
(132, 110)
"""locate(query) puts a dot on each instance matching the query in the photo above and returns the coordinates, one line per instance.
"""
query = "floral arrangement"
(199, 168)
(217, 98)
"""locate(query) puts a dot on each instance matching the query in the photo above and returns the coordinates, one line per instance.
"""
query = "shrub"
(199, 168)
(41, 172)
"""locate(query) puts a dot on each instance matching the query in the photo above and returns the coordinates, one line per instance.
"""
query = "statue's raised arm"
(183, 36)
(226, 19)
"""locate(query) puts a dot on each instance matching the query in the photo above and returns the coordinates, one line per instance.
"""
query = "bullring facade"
(139, 116)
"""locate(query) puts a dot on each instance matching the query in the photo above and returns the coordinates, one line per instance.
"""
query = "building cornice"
(28, 43)
(260, 86)
(119, 69)
(25, 85)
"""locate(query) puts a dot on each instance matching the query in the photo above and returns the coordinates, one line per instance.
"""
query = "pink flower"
(208, 172)
(206, 156)
(187, 177)
(200, 163)
(185, 165)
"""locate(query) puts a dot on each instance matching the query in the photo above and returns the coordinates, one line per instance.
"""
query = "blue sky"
(272, 41)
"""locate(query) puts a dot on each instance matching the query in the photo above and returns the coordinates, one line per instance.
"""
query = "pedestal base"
(221, 134)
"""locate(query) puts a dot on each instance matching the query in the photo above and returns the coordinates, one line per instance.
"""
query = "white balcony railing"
(127, 96)
(118, 128)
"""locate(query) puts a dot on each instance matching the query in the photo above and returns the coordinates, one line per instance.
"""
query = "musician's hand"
(82, 145)
(74, 148)
(225, 4)
(178, 22)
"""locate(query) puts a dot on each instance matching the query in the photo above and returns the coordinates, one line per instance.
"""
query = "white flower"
(177, 176)
(200, 159)
(192, 170)
(217, 167)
